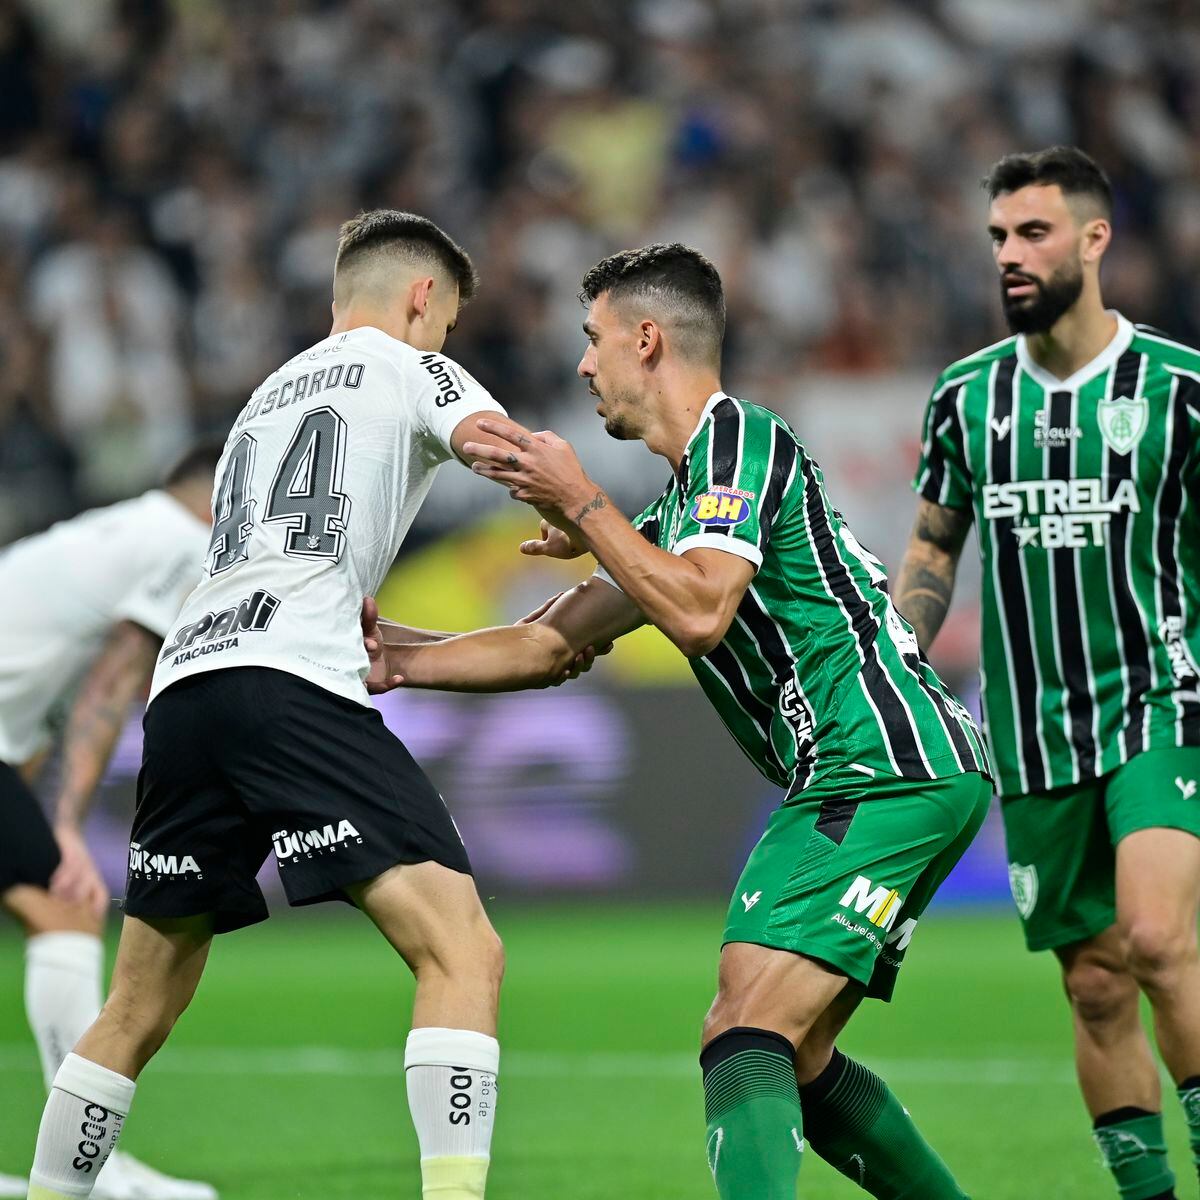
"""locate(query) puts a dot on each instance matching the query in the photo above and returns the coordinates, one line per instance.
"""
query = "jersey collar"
(705, 413)
(1102, 361)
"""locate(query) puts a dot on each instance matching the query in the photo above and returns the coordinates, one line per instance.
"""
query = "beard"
(1052, 298)
(618, 424)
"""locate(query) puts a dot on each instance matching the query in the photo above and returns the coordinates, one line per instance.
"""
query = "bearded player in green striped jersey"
(745, 565)
(1075, 448)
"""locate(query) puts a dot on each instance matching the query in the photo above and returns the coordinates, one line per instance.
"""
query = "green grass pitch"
(284, 1080)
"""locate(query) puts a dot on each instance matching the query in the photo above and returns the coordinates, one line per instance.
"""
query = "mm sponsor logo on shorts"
(881, 904)
(145, 865)
(291, 846)
(214, 630)
(1054, 513)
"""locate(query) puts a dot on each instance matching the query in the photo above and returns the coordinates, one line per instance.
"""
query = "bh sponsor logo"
(721, 507)
(161, 866)
(216, 631)
(1059, 513)
(879, 906)
(328, 839)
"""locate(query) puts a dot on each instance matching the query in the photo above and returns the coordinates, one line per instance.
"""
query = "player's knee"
(1159, 954)
(491, 957)
(1100, 992)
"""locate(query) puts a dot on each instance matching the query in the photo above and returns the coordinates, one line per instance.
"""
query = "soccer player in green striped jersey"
(748, 568)
(1074, 447)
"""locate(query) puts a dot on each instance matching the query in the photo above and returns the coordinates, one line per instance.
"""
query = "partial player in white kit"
(259, 737)
(83, 611)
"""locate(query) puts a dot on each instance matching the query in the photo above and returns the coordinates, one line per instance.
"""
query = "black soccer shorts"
(244, 762)
(28, 851)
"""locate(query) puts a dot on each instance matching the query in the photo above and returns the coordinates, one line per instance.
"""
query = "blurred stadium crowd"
(173, 174)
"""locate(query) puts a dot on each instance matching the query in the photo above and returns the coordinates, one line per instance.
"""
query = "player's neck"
(359, 316)
(677, 412)
(1077, 337)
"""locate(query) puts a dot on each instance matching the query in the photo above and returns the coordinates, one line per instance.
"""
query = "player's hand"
(379, 677)
(76, 880)
(538, 468)
(583, 662)
(554, 543)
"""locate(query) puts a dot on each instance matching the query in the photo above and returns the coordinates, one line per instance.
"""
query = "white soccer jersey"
(62, 591)
(320, 479)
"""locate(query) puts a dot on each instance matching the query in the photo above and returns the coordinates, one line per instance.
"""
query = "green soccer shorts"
(1062, 843)
(846, 868)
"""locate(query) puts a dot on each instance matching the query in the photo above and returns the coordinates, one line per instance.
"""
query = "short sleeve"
(445, 395)
(942, 474)
(155, 598)
(739, 470)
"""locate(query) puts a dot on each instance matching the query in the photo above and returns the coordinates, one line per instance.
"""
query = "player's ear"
(649, 340)
(1096, 236)
(418, 295)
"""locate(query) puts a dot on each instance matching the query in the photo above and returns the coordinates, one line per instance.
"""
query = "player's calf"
(433, 918)
(767, 1001)
(852, 1120)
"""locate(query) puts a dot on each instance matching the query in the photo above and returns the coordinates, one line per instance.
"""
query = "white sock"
(80, 1126)
(62, 992)
(451, 1078)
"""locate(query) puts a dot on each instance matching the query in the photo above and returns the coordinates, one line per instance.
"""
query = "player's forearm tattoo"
(593, 505)
(945, 528)
(924, 599)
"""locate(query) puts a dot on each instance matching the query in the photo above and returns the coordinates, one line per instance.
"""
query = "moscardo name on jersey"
(721, 507)
(217, 630)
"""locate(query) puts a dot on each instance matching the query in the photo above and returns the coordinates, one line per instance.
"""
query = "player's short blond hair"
(382, 233)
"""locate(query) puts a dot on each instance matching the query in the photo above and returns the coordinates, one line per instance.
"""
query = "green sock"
(1189, 1097)
(1132, 1145)
(854, 1122)
(752, 1107)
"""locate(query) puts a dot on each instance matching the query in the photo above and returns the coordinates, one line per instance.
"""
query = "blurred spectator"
(173, 174)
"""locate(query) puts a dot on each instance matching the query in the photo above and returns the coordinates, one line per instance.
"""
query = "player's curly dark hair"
(669, 281)
(1076, 173)
(418, 237)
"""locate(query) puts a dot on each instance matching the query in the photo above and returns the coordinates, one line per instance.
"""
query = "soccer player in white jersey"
(259, 737)
(83, 611)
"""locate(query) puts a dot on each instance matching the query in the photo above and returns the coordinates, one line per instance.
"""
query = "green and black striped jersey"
(1086, 498)
(817, 671)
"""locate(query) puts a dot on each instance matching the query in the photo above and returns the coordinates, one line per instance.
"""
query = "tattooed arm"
(691, 597)
(114, 680)
(926, 579)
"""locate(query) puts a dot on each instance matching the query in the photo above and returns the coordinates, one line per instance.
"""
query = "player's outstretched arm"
(532, 654)
(112, 683)
(926, 579)
(691, 597)
(559, 539)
